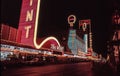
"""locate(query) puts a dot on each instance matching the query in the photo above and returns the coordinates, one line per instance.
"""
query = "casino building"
(24, 39)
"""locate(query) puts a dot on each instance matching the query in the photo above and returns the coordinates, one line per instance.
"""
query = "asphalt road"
(75, 69)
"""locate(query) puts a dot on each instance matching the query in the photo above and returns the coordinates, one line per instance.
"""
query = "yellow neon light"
(49, 38)
(35, 30)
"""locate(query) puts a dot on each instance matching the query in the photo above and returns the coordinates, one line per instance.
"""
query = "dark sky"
(54, 15)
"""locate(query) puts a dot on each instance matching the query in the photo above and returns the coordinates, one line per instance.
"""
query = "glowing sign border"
(35, 31)
(74, 20)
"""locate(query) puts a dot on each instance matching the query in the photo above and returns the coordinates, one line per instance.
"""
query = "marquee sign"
(29, 23)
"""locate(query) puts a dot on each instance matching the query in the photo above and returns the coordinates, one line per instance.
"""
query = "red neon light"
(28, 7)
(28, 24)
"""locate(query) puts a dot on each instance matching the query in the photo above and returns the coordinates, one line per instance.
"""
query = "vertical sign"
(86, 27)
(27, 21)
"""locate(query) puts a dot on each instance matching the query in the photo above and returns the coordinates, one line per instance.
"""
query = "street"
(74, 69)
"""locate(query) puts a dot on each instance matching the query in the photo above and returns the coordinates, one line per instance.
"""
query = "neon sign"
(71, 20)
(29, 24)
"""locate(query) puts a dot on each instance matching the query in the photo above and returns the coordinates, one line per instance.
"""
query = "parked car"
(34, 61)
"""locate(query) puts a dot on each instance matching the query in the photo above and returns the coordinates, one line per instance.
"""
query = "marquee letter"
(29, 16)
(27, 28)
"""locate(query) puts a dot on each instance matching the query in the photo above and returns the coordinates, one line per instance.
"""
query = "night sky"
(54, 13)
